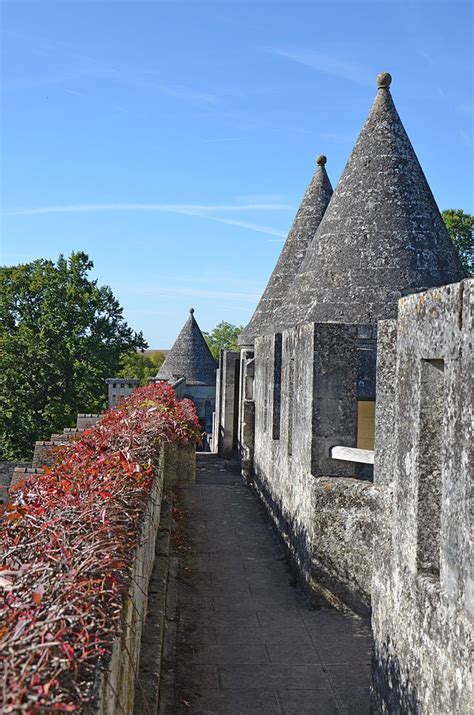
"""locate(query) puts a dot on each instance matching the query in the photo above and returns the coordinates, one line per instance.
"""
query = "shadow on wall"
(325, 579)
(391, 692)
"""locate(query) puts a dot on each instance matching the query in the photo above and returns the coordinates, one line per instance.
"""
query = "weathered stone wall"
(84, 421)
(227, 397)
(119, 388)
(116, 688)
(422, 608)
(204, 399)
(327, 518)
(45, 452)
(178, 463)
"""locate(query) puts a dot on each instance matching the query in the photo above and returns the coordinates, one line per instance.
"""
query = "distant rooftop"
(189, 357)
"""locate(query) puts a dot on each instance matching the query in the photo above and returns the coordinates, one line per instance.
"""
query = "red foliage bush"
(69, 538)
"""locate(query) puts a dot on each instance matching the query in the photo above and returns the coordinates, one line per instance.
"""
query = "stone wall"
(422, 609)
(116, 687)
(225, 426)
(118, 388)
(84, 421)
(327, 518)
(204, 399)
(45, 452)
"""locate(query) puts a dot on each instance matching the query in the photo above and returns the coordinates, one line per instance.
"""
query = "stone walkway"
(245, 639)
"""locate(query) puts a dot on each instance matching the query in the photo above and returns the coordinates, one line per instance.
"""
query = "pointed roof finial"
(321, 160)
(384, 80)
(189, 357)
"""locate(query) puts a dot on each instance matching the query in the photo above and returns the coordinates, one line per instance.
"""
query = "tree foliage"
(223, 337)
(460, 226)
(141, 365)
(61, 335)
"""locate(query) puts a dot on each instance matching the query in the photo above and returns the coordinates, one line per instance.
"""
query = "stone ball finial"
(191, 310)
(321, 160)
(384, 80)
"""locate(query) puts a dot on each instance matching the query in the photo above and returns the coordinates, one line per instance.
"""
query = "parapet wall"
(401, 545)
(117, 686)
(305, 402)
(422, 607)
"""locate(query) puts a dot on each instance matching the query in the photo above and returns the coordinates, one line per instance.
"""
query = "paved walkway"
(246, 640)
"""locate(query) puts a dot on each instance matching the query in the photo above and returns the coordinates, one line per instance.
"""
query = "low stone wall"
(45, 452)
(178, 463)
(117, 685)
(422, 590)
(326, 517)
(84, 421)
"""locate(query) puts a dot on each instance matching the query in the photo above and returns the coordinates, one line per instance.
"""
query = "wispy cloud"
(204, 211)
(271, 198)
(466, 108)
(327, 64)
(172, 208)
(77, 67)
(250, 226)
(276, 240)
(198, 293)
(466, 138)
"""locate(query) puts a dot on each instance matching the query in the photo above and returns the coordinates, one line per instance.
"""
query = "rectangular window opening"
(429, 467)
(291, 406)
(365, 424)
(277, 386)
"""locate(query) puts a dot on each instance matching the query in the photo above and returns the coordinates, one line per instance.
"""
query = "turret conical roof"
(307, 220)
(189, 357)
(382, 235)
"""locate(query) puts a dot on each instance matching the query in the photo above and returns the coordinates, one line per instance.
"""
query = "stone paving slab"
(246, 639)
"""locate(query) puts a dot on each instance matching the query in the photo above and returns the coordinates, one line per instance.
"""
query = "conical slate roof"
(189, 357)
(382, 235)
(307, 220)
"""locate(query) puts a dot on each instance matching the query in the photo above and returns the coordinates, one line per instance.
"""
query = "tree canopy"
(223, 337)
(61, 335)
(141, 365)
(460, 226)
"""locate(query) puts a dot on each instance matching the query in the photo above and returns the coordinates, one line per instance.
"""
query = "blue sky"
(173, 141)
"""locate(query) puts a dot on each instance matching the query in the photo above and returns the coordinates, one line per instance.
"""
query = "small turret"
(189, 357)
(307, 220)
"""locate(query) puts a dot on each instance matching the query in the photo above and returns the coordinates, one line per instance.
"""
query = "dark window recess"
(277, 386)
(429, 467)
(266, 387)
(235, 422)
(291, 406)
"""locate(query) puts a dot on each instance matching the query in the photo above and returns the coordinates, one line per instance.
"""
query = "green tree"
(223, 337)
(460, 226)
(61, 335)
(141, 365)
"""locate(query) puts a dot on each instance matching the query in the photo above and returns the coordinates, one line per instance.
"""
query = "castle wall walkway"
(241, 637)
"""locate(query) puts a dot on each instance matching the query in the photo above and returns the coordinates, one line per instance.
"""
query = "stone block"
(421, 609)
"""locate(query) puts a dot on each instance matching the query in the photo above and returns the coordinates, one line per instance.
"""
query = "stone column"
(421, 614)
(228, 397)
(334, 420)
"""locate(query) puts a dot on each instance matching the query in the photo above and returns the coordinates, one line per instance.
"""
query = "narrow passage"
(245, 640)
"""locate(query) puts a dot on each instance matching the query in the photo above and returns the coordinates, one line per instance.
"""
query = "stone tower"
(189, 357)
(191, 368)
(307, 220)
(382, 236)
